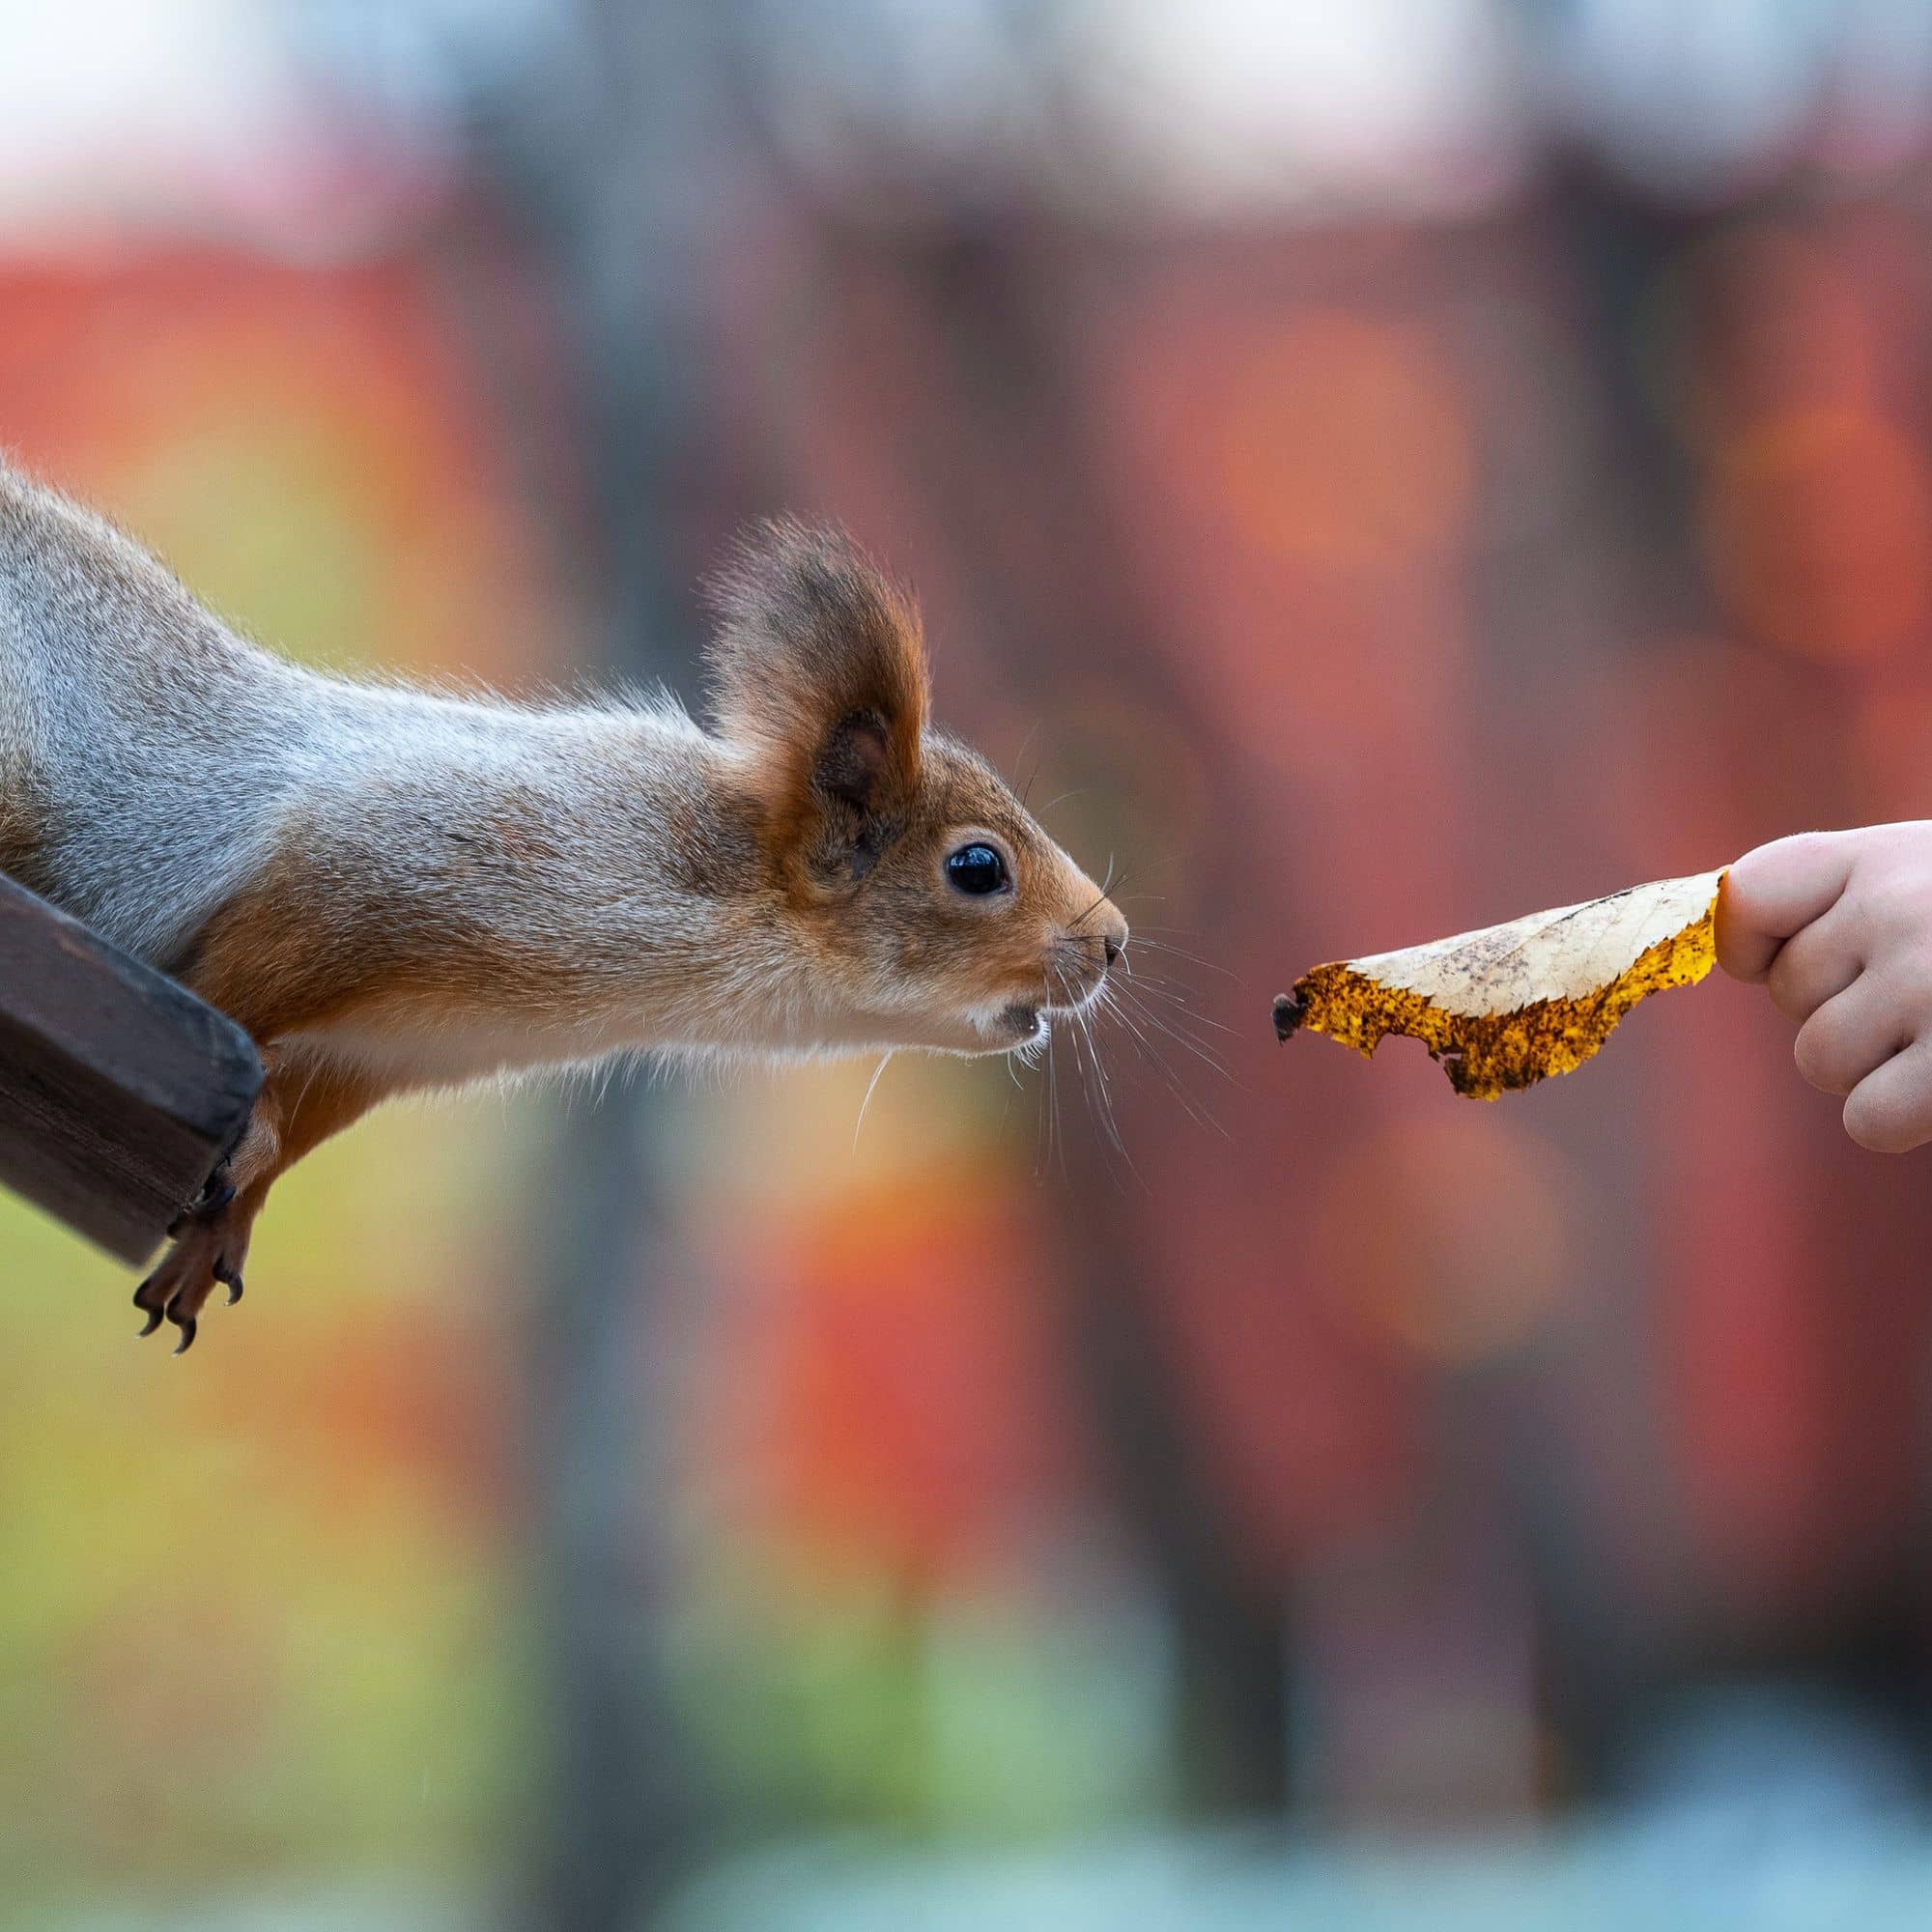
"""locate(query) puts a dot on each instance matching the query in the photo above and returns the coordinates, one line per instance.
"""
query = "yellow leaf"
(1507, 1006)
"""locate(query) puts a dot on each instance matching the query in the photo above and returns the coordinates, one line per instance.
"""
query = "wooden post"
(118, 1090)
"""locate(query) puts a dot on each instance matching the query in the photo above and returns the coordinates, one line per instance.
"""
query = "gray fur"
(150, 745)
(157, 762)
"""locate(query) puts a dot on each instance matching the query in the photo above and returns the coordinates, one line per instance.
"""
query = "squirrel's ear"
(820, 671)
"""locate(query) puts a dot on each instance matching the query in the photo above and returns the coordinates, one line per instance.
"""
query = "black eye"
(976, 868)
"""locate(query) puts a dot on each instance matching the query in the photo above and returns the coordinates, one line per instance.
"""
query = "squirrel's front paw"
(211, 1247)
(217, 1192)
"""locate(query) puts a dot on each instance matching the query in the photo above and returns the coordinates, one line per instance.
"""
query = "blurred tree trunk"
(595, 161)
(1013, 387)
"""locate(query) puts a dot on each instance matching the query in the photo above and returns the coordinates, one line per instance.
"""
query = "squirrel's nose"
(1114, 937)
(1113, 947)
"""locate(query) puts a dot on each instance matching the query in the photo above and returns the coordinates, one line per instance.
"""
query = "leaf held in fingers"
(1507, 1006)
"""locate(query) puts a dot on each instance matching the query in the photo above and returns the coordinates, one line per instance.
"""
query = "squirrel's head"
(930, 905)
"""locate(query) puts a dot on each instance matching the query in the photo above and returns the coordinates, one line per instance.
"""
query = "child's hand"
(1839, 927)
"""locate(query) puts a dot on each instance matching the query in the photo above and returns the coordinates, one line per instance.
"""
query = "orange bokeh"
(1445, 1232)
(1818, 529)
(1342, 442)
(895, 1406)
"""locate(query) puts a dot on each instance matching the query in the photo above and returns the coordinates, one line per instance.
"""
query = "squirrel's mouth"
(1030, 1021)
(1024, 1022)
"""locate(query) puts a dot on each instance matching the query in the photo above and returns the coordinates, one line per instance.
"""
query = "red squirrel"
(395, 890)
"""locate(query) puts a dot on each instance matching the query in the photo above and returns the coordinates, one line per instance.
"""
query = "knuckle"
(1767, 863)
(1897, 904)
(1787, 984)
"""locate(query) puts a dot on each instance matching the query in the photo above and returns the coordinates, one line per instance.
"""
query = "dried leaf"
(1507, 1006)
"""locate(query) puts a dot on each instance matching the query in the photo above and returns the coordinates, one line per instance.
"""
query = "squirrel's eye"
(976, 868)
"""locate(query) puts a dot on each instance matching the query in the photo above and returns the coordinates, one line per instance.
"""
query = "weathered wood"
(118, 1090)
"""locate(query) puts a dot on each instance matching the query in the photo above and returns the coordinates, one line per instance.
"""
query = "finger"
(1776, 890)
(1889, 1110)
(1851, 1035)
(1815, 964)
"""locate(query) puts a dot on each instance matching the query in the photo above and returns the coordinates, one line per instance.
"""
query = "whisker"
(1026, 745)
(1085, 1019)
(1053, 1143)
(1039, 1140)
(1093, 1076)
(1182, 1024)
(1176, 994)
(1198, 1048)
(1185, 1008)
(1141, 942)
(871, 1087)
(1188, 1043)
(1202, 1116)
(1059, 990)
(1143, 1043)
(1100, 899)
(1154, 980)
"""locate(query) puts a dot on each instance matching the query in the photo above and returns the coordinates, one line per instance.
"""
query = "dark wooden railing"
(118, 1090)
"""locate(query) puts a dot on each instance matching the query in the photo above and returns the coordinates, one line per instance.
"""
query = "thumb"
(1776, 890)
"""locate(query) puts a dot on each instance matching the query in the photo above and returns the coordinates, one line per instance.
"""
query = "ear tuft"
(818, 670)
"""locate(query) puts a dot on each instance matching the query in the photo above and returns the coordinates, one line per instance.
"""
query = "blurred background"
(1375, 469)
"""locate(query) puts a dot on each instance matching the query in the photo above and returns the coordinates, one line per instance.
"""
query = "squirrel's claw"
(210, 1248)
(150, 1304)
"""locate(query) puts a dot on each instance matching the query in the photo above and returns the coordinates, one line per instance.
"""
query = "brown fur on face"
(820, 676)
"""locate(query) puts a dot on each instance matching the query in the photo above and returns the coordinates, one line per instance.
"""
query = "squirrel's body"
(394, 889)
(157, 768)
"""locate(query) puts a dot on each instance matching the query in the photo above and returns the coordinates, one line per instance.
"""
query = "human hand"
(1837, 928)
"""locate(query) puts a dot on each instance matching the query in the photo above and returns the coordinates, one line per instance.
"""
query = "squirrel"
(394, 889)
